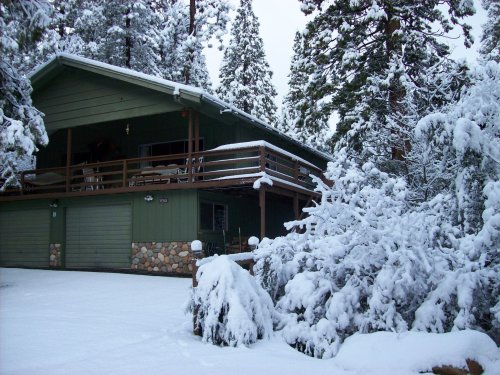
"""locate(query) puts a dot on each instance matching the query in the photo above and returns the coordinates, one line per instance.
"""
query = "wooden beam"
(69, 135)
(190, 146)
(197, 132)
(296, 206)
(262, 205)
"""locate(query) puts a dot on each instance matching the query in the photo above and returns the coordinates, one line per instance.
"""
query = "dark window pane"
(219, 217)
(206, 216)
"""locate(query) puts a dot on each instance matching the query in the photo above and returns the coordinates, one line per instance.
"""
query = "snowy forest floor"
(55, 322)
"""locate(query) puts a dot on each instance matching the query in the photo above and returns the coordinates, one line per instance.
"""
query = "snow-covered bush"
(367, 260)
(229, 307)
(463, 142)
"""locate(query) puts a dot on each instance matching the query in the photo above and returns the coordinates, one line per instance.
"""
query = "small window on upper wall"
(213, 216)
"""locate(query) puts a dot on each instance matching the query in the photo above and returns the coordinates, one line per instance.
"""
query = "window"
(213, 216)
(166, 148)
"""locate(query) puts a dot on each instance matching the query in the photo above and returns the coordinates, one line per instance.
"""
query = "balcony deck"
(234, 165)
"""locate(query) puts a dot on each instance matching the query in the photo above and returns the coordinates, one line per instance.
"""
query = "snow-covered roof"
(180, 90)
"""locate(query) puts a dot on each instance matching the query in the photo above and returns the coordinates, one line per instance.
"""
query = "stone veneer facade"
(55, 255)
(167, 257)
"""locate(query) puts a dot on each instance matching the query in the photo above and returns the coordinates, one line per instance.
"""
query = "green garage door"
(98, 236)
(24, 238)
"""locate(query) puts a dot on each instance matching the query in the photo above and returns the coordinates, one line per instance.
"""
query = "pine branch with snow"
(21, 124)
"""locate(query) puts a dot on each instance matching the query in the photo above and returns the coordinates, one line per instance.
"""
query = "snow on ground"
(58, 322)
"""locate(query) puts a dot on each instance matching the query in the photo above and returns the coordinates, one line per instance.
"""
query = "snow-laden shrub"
(229, 307)
(366, 260)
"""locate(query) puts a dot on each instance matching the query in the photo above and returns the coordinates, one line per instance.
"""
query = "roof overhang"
(184, 94)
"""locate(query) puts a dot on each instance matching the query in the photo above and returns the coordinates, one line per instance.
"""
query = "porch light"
(148, 198)
(127, 129)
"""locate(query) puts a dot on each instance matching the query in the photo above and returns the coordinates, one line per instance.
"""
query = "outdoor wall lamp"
(127, 129)
(148, 198)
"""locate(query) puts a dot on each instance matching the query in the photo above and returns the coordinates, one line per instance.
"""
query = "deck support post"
(68, 158)
(190, 147)
(125, 173)
(296, 206)
(196, 132)
(262, 205)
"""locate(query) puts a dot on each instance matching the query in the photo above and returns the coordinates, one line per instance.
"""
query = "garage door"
(98, 236)
(24, 238)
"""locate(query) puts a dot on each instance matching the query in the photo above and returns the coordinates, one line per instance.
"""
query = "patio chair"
(92, 182)
(194, 169)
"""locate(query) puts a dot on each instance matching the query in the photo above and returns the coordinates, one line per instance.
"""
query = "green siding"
(24, 237)
(77, 98)
(98, 236)
(175, 220)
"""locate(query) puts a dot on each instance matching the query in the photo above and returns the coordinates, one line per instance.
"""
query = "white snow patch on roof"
(175, 86)
(235, 146)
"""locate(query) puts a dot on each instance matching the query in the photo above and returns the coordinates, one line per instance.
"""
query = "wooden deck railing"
(212, 166)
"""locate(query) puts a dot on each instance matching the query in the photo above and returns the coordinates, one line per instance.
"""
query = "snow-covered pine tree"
(490, 40)
(21, 124)
(123, 34)
(313, 129)
(130, 36)
(245, 76)
(172, 35)
(164, 38)
(364, 52)
(207, 19)
(61, 36)
(370, 258)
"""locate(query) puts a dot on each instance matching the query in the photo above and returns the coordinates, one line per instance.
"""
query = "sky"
(280, 19)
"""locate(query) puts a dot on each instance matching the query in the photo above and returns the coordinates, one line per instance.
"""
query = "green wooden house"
(138, 167)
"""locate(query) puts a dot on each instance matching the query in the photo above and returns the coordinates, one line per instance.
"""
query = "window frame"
(213, 218)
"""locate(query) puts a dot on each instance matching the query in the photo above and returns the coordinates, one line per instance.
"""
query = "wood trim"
(68, 157)
(262, 205)
(228, 166)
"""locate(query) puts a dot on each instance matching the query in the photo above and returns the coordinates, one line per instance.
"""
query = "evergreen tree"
(132, 35)
(490, 41)
(313, 129)
(207, 19)
(173, 34)
(21, 125)
(364, 53)
(245, 74)
(163, 38)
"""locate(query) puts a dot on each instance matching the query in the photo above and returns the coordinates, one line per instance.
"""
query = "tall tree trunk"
(192, 31)
(396, 92)
(128, 41)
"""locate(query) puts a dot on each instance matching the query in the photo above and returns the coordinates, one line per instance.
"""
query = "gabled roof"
(181, 92)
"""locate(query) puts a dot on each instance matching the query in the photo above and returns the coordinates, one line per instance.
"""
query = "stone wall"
(55, 255)
(167, 257)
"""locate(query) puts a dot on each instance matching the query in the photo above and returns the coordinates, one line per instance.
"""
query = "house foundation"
(165, 257)
(55, 255)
